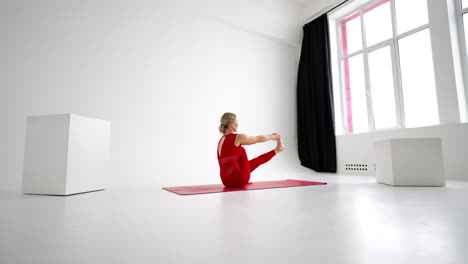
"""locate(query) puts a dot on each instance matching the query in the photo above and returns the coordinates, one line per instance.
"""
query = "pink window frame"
(344, 50)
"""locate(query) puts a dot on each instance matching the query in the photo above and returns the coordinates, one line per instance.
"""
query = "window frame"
(395, 58)
(460, 11)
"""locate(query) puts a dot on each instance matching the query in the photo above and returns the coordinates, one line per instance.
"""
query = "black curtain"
(316, 132)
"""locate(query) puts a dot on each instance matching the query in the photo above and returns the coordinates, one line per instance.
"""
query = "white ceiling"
(300, 3)
(311, 8)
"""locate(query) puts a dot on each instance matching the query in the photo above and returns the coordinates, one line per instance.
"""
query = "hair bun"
(225, 119)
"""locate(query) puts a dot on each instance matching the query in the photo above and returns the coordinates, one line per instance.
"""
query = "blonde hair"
(225, 118)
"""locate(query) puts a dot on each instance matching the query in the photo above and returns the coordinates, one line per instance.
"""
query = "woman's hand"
(275, 136)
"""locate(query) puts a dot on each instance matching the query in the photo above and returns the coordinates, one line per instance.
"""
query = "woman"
(234, 165)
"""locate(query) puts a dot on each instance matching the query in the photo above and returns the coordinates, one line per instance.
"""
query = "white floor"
(351, 220)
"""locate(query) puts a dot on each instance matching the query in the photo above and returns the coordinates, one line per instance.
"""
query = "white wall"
(161, 71)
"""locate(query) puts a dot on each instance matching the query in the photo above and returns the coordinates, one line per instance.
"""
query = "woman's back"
(228, 152)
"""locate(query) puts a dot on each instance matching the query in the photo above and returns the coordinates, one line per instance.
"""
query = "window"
(381, 83)
(351, 34)
(386, 68)
(410, 14)
(420, 100)
(355, 91)
(378, 22)
(464, 4)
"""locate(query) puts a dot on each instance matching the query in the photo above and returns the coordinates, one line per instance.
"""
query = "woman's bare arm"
(243, 139)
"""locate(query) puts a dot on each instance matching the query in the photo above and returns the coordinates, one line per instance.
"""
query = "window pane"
(351, 37)
(410, 14)
(355, 95)
(464, 3)
(417, 73)
(383, 95)
(378, 22)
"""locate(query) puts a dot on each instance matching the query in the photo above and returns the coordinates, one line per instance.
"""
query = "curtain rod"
(324, 11)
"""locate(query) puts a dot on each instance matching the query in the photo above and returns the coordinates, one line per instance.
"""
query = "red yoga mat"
(216, 188)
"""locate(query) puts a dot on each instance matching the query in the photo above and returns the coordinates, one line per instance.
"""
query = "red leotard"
(234, 166)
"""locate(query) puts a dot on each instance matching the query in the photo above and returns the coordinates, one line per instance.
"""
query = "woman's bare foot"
(280, 146)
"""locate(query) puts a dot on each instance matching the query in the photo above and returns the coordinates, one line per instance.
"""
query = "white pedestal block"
(65, 154)
(410, 162)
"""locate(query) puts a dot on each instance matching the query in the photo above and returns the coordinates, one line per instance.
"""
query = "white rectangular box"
(65, 154)
(410, 162)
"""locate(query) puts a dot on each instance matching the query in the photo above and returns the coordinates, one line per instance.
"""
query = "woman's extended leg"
(254, 163)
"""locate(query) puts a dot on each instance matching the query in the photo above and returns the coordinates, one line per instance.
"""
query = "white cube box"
(410, 162)
(65, 154)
